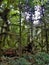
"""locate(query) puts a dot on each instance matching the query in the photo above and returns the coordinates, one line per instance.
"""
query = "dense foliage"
(17, 30)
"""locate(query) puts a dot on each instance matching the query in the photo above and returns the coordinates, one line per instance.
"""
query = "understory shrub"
(42, 58)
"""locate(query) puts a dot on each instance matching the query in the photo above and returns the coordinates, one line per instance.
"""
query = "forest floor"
(40, 58)
(24, 60)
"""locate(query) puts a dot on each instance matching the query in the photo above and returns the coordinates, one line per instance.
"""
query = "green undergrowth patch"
(40, 58)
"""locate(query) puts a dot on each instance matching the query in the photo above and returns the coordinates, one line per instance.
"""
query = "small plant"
(20, 61)
(42, 58)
